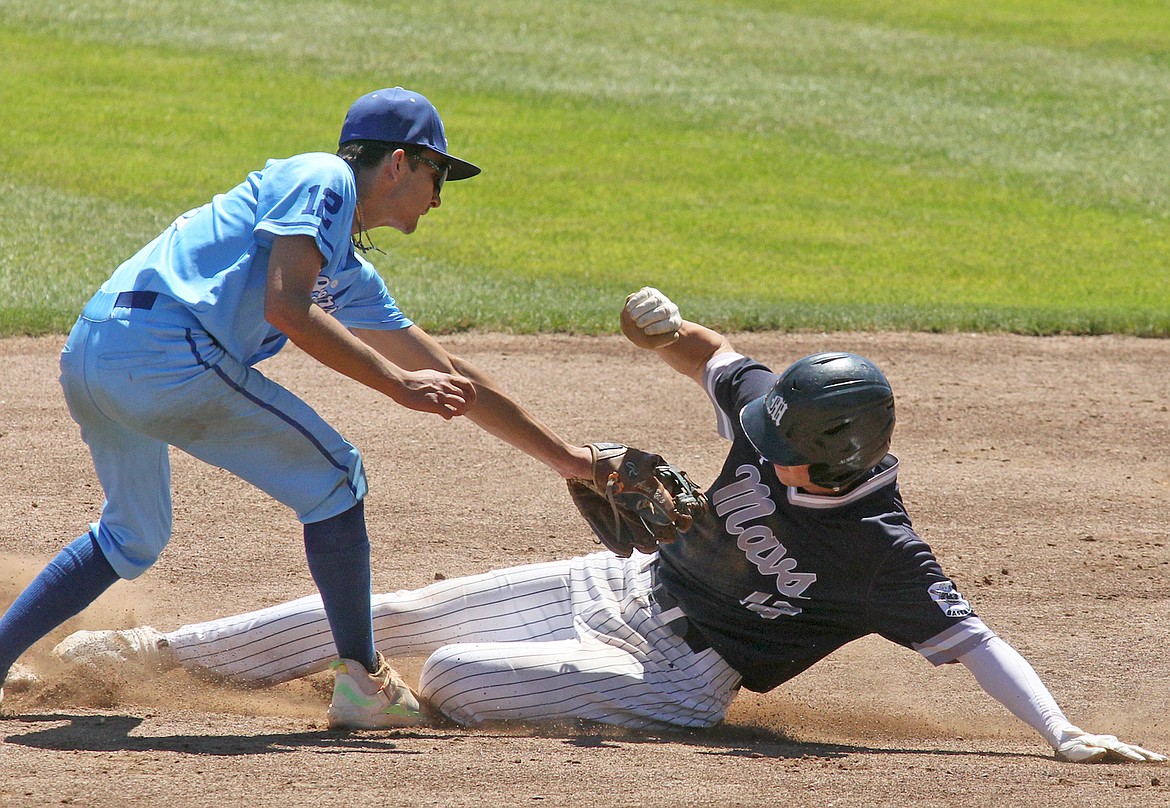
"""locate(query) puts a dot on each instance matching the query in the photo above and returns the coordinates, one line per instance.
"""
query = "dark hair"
(363, 154)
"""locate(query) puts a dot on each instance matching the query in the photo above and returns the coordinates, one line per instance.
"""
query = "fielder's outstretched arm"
(1009, 679)
(493, 410)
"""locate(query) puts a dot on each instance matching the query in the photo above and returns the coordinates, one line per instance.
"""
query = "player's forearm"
(288, 306)
(494, 410)
(499, 415)
(1009, 679)
(695, 346)
(327, 341)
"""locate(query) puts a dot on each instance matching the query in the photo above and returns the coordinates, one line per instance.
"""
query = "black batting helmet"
(832, 411)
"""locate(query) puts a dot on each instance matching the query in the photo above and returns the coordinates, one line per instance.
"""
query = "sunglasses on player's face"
(440, 171)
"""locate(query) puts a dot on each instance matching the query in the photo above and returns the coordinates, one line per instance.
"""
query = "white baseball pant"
(574, 639)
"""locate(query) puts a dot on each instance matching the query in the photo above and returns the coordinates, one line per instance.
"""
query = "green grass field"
(921, 165)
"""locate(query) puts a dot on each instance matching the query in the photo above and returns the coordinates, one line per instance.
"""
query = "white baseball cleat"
(19, 678)
(379, 700)
(143, 647)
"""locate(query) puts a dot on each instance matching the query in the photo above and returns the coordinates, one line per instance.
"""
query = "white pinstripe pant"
(573, 639)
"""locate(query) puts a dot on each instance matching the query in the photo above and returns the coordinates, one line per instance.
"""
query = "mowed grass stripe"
(1115, 28)
(1073, 121)
(586, 192)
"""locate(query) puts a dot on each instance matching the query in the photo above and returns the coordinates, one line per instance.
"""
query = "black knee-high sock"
(338, 550)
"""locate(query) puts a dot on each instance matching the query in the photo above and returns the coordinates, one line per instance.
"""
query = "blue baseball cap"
(395, 115)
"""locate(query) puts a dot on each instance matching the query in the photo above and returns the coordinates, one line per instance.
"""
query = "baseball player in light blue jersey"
(807, 546)
(163, 355)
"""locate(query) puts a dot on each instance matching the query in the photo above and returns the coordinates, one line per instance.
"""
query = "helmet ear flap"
(869, 433)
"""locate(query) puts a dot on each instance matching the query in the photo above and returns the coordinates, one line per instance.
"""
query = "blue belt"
(103, 305)
(136, 300)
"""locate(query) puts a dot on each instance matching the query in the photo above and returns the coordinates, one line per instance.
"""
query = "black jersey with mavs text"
(776, 579)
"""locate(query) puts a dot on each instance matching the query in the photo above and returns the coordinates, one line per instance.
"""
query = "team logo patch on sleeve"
(949, 599)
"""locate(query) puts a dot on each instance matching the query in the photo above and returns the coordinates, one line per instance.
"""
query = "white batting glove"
(1078, 746)
(653, 312)
(650, 320)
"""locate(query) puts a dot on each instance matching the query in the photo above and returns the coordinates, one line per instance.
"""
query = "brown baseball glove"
(635, 499)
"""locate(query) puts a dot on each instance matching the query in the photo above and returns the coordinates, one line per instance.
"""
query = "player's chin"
(405, 227)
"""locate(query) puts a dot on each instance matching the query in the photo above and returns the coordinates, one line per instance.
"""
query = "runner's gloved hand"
(1078, 746)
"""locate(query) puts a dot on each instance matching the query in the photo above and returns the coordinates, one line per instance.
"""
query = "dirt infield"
(1037, 469)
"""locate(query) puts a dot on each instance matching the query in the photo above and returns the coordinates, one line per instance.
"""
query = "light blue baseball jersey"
(214, 259)
(177, 370)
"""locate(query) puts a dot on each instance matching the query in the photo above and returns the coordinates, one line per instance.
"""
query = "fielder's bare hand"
(1078, 746)
(444, 394)
(650, 319)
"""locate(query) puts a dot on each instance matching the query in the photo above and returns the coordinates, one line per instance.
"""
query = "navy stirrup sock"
(338, 550)
(68, 584)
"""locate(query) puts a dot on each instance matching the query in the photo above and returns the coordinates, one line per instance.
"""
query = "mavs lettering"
(745, 500)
